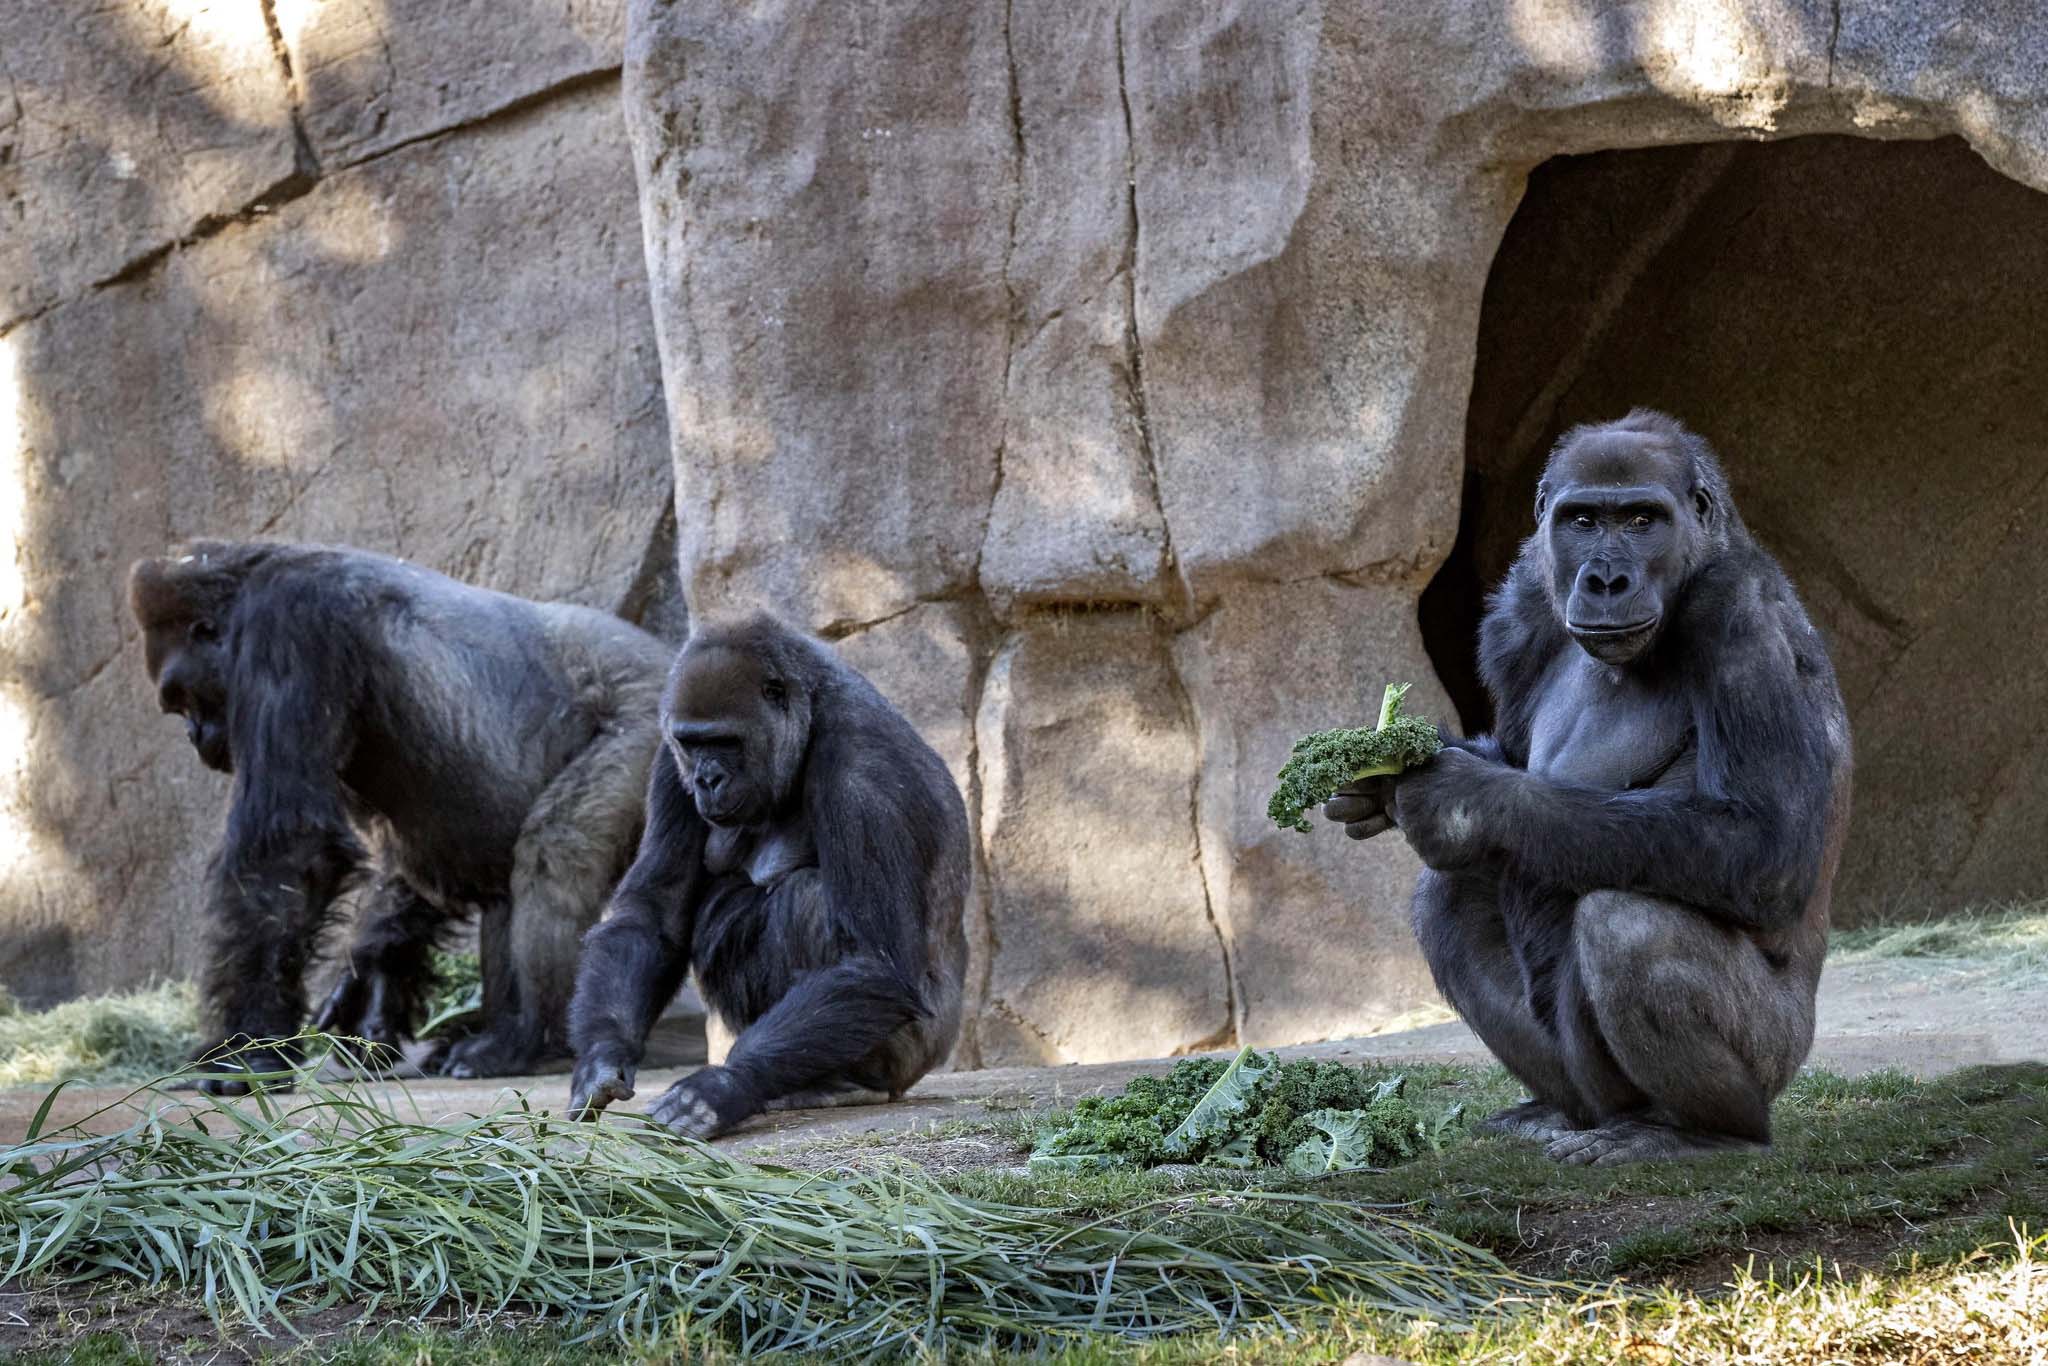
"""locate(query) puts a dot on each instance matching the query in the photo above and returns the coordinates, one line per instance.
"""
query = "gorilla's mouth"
(209, 737)
(1614, 644)
(723, 813)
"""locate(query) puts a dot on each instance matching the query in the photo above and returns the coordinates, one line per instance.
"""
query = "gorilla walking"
(1626, 892)
(477, 750)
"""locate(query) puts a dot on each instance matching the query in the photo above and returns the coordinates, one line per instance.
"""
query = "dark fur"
(822, 913)
(1638, 940)
(474, 750)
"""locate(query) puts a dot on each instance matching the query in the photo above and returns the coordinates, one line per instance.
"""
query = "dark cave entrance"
(1861, 329)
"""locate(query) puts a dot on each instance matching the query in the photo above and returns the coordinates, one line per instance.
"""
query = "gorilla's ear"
(1703, 504)
(1542, 497)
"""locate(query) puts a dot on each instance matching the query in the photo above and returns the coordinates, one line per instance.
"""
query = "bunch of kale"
(1323, 762)
(1309, 1117)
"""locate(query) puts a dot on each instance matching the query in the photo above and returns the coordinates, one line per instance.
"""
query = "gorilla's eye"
(204, 632)
(1639, 522)
(774, 691)
(1583, 522)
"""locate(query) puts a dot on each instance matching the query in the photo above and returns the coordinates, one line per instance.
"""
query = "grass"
(1857, 1240)
(1989, 1309)
(2015, 934)
(118, 1040)
(1884, 1161)
(293, 1207)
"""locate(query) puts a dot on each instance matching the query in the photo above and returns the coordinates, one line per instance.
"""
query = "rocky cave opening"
(1860, 327)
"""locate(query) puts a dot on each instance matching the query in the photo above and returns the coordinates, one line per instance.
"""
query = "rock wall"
(363, 271)
(1098, 374)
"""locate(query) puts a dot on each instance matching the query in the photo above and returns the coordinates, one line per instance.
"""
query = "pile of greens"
(1323, 762)
(1310, 1117)
(278, 1206)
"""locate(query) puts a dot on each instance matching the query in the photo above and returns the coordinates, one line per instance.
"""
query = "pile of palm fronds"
(287, 1204)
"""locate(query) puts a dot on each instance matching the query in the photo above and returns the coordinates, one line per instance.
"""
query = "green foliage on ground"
(1883, 1173)
(291, 1203)
(1313, 1118)
(1323, 762)
(456, 1002)
(118, 1040)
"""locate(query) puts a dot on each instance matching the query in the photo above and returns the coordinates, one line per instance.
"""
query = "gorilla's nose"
(710, 778)
(1604, 578)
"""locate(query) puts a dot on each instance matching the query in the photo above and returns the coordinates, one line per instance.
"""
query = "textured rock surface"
(1173, 310)
(124, 127)
(1104, 947)
(372, 74)
(444, 353)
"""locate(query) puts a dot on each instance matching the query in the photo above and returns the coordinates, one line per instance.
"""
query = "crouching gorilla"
(807, 855)
(491, 751)
(1627, 884)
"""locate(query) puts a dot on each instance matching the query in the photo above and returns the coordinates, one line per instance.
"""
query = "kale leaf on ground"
(1309, 1117)
(1323, 762)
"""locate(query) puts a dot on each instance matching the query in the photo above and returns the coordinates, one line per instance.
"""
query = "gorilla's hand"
(364, 1006)
(705, 1104)
(1441, 805)
(600, 1078)
(1362, 807)
(234, 1067)
(342, 1012)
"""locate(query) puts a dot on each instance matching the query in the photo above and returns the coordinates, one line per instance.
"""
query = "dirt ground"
(1922, 1016)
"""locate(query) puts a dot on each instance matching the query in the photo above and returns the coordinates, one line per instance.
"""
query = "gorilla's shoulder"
(1741, 608)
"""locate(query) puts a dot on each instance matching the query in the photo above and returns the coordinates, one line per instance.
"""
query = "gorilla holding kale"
(1626, 890)
(476, 750)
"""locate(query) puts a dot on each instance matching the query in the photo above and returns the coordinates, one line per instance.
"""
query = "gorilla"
(806, 854)
(1626, 885)
(469, 749)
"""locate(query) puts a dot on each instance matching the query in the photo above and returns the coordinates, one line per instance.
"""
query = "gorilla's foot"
(1536, 1120)
(705, 1104)
(499, 1051)
(1640, 1140)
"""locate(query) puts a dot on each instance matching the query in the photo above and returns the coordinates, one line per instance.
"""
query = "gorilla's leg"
(563, 867)
(813, 1020)
(378, 997)
(1701, 1024)
(1463, 937)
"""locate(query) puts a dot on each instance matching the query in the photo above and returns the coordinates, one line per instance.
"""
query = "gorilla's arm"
(635, 959)
(1744, 844)
(289, 848)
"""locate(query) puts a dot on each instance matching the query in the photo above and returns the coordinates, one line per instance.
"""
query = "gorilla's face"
(737, 728)
(189, 661)
(1621, 528)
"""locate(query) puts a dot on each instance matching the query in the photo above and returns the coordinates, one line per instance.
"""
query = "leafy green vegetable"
(457, 1000)
(1323, 762)
(1255, 1110)
(1214, 1114)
